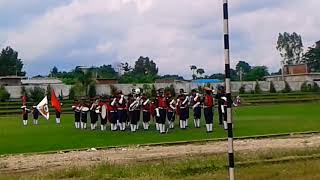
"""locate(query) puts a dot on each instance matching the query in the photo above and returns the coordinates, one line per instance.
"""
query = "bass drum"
(104, 111)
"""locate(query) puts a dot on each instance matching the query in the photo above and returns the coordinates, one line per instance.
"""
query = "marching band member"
(224, 104)
(208, 109)
(103, 111)
(94, 112)
(146, 111)
(130, 110)
(122, 112)
(137, 110)
(183, 105)
(76, 108)
(25, 112)
(84, 115)
(187, 108)
(114, 113)
(134, 108)
(58, 115)
(171, 110)
(196, 108)
(161, 110)
(218, 96)
(35, 114)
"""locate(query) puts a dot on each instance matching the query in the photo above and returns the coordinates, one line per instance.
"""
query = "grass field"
(257, 120)
(274, 164)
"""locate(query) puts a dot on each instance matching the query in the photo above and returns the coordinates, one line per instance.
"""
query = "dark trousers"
(114, 117)
(103, 120)
(77, 116)
(220, 114)
(171, 116)
(134, 117)
(208, 115)
(183, 114)
(146, 116)
(197, 113)
(93, 117)
(122, 116)
(163, 115)
(84, 117)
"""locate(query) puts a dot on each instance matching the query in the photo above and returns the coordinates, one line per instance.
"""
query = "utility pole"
(228, 88)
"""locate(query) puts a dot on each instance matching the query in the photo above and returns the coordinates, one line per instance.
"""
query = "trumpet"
(133, 106)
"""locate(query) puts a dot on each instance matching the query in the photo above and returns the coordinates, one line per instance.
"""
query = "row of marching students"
(123, 112)
(119, 111)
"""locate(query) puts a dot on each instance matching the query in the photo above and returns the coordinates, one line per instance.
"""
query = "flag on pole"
(55, 103)
(43, 108)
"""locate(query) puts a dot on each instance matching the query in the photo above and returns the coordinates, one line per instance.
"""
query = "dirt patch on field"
(23, 163)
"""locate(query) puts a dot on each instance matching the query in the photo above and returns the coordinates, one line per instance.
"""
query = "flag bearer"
(35, 114)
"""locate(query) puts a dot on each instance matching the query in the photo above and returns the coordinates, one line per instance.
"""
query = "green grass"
(258, 120)
(297, 166)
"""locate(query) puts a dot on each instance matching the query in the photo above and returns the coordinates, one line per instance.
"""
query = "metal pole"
(228, 88)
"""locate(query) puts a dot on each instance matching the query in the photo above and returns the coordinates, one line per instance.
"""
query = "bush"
(272, 88)
(72, 93)
(37, 94)
(147, 90)
(242, 89)
(287, 88)
(153, 91)
(48, 91)
(257, 89)
(92, 91)
(4, 94)
(113, 90)
(170, 90)
(304, 87)
(315, 87)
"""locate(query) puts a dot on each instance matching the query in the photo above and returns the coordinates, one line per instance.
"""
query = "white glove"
(157, 112)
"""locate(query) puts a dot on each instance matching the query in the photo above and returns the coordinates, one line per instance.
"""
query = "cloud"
(174, 33)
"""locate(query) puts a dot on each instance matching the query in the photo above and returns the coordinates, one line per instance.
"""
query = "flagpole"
(228, 88)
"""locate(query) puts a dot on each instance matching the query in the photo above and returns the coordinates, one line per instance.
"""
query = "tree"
(257, 73)
(290, 48)
(54, 71)
(200, 71)
(4, 94)
(37, 94)
(312, 58)
(125, 67)
(242, 89)
(106, 71)
(287, 88)
(272, 88)
(10, 64)
(92, 91)
(72, 93)
(315, 87)
(219, 76)
(145, 66)
(243, 68)
(193, 69)
(257, 89)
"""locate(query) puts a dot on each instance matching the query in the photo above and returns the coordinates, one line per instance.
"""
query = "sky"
(173, 33)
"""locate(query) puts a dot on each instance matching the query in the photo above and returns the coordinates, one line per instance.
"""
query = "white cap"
(137, 91)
